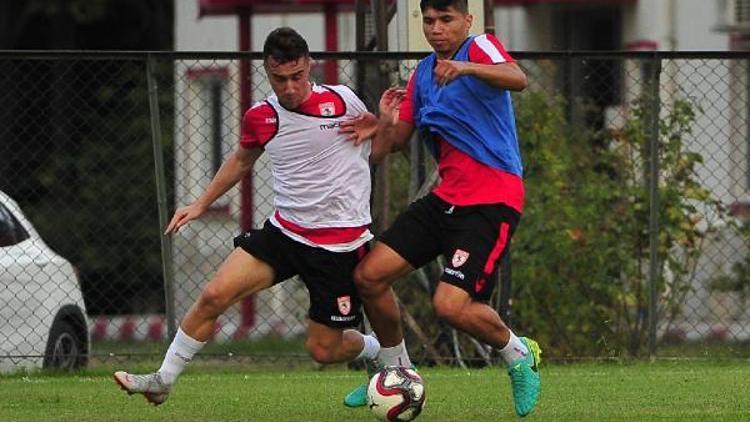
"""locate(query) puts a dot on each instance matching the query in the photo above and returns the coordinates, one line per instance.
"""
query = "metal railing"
(634, 236)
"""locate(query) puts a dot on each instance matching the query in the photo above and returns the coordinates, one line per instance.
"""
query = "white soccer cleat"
(150, 385)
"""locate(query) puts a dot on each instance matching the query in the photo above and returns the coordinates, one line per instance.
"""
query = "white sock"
(514, 350)
(371, 349)
(179, 354)
(395, 356)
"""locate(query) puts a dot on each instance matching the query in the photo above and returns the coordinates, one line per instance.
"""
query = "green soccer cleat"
(358, 396)
(524, 379)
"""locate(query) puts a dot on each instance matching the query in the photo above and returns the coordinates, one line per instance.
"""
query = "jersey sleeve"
(259, 125)
(487, 49)
(406, 108)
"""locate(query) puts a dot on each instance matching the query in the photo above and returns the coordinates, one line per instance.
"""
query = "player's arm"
(238, 164)
(489, 61)
(390, 137)
(259, 125)
(385, 131)
(392, 132)
(501, 75)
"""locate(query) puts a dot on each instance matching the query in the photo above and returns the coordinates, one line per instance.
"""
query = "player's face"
(445, 30)
(290, 81)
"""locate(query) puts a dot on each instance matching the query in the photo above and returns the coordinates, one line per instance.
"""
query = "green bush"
(580, 257)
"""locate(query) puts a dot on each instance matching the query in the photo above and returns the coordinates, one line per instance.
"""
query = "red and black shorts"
(327, 275)
(472, 239)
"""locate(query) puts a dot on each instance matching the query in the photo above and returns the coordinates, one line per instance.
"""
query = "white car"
(42, 314)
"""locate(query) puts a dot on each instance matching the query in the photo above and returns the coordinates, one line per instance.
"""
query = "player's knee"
(212, 300)
(367, 283)
(320, 352)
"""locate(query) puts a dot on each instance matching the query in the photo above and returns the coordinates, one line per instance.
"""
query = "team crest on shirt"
(327, 109)
(459, 258)
(345, 304)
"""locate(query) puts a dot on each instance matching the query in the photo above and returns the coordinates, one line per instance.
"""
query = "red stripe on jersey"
(486, 49)
(465, 181)
(324, 236)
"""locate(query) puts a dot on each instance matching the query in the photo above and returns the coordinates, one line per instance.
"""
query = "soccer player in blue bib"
(458, 100)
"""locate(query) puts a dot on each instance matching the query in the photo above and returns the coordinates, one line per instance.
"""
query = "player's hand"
(183, 215)
(448, 70)
(360, 128)
(390, 102)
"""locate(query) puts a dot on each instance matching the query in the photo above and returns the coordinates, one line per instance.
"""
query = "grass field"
(683, 390)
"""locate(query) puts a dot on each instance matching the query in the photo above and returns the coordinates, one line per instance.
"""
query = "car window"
(11, 231)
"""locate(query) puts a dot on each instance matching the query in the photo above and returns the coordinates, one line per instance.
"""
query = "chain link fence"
(634, 240)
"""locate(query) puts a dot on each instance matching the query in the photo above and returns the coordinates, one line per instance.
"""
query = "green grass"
(683, 390)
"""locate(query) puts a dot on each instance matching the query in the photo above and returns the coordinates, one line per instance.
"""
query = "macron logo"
(329, 126)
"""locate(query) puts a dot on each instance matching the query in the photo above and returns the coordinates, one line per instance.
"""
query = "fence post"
(161, 196)
(652, 94)
(382, 172)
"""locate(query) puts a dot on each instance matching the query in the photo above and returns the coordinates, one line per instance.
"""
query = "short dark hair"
(284, 45)
(443, 5)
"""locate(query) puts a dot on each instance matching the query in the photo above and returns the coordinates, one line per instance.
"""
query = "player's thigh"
(241, 274)
(273, 247)
(384, 264)
(449, 299)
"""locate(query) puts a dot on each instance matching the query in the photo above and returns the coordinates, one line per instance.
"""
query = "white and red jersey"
(321, 180)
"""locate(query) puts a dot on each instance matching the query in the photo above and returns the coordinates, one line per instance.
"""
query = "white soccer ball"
(396, 394)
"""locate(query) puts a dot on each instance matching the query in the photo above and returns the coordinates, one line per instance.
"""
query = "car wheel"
(64, 348)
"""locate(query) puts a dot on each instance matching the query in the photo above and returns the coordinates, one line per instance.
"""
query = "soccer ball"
(396, 394)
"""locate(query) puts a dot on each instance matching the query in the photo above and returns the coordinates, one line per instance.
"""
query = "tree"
(75, 136)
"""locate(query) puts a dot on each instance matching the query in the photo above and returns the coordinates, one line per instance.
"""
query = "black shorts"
(472, 239)
(327, 275)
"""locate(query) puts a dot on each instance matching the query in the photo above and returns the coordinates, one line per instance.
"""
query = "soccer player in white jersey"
(318, 230)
